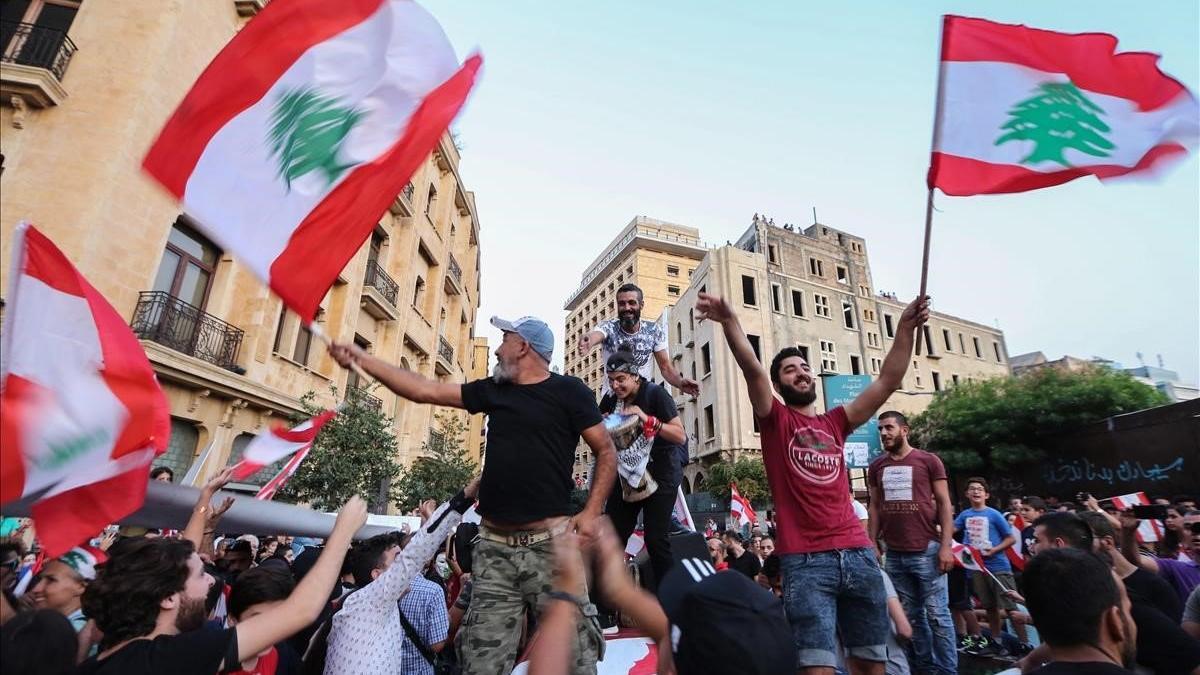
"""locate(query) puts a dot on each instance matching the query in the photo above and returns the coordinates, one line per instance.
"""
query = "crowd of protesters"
(910, 583)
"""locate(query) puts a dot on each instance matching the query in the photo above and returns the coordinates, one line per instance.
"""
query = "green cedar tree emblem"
(1057, 117)
(307, 130)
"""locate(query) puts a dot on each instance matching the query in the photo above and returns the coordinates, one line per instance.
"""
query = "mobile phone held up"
(1150, 511)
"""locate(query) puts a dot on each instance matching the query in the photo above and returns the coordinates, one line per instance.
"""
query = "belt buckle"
(523, 539)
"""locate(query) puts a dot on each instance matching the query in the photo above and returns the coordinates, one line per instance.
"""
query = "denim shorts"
(835, 593)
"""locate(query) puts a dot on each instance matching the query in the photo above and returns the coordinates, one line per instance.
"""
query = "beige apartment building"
(811, 289)
(85, 87)
(659, 257)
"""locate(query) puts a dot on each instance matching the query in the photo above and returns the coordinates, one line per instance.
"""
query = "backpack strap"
(412, 634)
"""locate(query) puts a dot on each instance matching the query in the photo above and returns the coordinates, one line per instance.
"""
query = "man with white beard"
(535, 420)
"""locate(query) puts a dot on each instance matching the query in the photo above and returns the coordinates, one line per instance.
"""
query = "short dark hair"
(1035, 503)
(41, 641)
(1066, 526)
(777, 362)
(367, 556)
(160, 470)
(1177, 499)
(981, 481)
(1067, 592)
(259, 585)
(630, 288)
(894, 415)
(124, 597)
(735, 536)
(1099, 524)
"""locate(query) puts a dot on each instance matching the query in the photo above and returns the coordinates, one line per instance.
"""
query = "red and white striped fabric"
(1149, 531)
(267, 492)
(637, 540)
(293, 142)
(1016, 552)
(967, 557)
(277, 443)
(740, 508)
(1023, 108)
(83, 413)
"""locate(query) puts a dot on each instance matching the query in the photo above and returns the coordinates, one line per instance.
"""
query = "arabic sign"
(862, 445)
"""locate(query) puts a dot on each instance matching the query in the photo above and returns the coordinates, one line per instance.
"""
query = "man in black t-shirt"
(739, 558)
(535, 420)
(659, 417)
(148, 600)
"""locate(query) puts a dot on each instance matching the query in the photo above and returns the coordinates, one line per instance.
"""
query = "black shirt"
(1162, 645)
(1080, 668)
(1156, 592)
(666, 458)
(747, 564)
(203, 652)
(532, 433)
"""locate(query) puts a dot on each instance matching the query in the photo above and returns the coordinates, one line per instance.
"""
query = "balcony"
(249, 8)
(379, 293)
(402, 205)
(453, 277)
(161, 317)
(33, 63)
(445, 357)
(359, 396)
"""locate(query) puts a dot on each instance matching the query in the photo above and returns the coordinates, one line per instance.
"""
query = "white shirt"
(650, 337)
(366, 635)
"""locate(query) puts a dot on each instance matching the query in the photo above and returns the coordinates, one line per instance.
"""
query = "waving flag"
(83, 413)
(967, 557)
(277, 443)
(267, 492)
(301, 132)
(740, 508)
(1016, 552)
(1023, 109)
(1149, 531)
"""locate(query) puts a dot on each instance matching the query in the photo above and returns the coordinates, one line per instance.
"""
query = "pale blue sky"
(703, 113)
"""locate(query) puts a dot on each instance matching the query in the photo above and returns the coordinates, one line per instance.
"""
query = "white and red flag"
(83, 414)
(267, 491)
(968, 557)
(1149, 531)
(1023, 108)
(1016, 552)
(277, 443)
(293, 142)
(740, 508)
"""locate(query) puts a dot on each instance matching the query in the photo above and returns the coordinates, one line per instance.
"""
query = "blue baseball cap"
(534, 330)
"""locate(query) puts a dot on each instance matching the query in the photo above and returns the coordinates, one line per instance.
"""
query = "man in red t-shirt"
(910, 499)
(832, 585)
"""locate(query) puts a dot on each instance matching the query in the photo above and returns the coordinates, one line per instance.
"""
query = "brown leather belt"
(522, 537)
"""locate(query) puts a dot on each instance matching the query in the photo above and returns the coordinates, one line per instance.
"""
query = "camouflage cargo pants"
(509, 581)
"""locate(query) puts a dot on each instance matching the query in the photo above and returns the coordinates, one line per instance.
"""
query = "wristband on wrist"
(650, 427)
(461, 502)
(564, 596)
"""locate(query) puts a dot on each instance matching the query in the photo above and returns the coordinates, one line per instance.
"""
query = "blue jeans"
(832, 593)
(925, 596)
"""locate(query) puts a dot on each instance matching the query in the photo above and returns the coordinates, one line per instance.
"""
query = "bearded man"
(831, 580)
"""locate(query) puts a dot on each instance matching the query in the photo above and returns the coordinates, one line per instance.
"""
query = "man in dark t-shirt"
(739, 558)
(535, 420)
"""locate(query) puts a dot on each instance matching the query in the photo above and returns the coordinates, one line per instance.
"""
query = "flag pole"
(937, 130)
(324, 337)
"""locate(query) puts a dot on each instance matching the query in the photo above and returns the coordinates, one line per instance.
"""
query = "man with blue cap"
(535, 420)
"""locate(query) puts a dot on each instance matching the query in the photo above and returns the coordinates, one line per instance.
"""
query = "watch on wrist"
(564, 596)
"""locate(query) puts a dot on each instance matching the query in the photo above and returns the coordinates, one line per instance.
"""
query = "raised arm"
(205, 513)
(588, 342)
(672, 376)
(757, 381)
(604, 474)
(403, 382)
(1129, 545)
(305, 603)
(891, 375)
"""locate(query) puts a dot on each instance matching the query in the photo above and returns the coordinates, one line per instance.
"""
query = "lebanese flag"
(1016, 552)
(277, 443)
(83, 413)
(293, 142)
(267, 492)
(1149, 531)
(967, 557)
(740, 508)
(1022, 108)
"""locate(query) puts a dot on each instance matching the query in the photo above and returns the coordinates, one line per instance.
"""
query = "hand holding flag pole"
(324, 337)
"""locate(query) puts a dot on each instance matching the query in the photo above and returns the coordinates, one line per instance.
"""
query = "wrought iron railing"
(171, 322)
(28, 44)
(407, 192)
(361, 397)
(455, 270)
(380, 281)
(437, 440)
(445, 350)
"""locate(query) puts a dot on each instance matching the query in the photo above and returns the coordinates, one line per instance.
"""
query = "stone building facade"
(660, 257)
(85, 88)
(811, 289)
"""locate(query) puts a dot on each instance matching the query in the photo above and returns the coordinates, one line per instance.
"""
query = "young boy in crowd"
(256, 591)
(986, 530)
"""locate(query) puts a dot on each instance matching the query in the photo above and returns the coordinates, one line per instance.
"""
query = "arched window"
(181, 448)
(262, 476)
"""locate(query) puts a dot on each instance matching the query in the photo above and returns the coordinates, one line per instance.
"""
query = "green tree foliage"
(749, 474)
(355, 454)
(1004, 423)
(444, 469)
